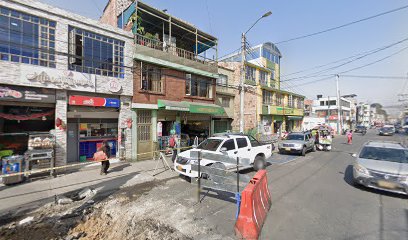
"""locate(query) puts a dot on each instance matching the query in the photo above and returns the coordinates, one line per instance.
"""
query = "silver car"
(297, 142)
(382, 165)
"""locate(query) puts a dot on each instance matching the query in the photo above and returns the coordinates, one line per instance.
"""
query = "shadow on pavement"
(119, 168)
(348, 178)
(220, 195)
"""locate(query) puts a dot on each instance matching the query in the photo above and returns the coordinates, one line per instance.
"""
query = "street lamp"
(241, 120)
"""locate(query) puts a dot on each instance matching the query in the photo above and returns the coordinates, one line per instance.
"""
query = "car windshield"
(386, 129)
(210, 144)
(295, 137)
(384, 154)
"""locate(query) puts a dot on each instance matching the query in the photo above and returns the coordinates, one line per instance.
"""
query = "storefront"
(26, 114)
(186, 119)
(294, 123)
(92, 121)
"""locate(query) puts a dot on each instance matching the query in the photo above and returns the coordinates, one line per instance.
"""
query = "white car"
(228, 145)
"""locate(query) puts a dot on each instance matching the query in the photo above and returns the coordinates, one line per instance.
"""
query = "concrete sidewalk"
(123, 174)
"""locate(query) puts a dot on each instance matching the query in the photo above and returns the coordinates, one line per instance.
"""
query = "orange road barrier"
(255, 204)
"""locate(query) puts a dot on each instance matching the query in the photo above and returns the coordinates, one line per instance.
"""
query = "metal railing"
(158, 45)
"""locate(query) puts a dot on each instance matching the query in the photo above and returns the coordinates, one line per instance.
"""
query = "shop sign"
(114, 85)
(206, 109)
(94, 101)
(25, 94)
(53, 78)
(175, 108)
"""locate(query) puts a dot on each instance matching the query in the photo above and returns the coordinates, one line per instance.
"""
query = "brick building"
(175, 71)
(65, 73)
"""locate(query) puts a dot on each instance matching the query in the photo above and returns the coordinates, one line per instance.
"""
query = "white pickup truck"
(228, 145)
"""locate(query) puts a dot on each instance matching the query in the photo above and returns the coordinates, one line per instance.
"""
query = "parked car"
(227, 145)
(382, 165)
(297, 142)
(386, 131)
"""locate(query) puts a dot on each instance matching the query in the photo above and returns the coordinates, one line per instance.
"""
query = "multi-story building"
(225, 98)
(308, 108)
(353, 109)
(175, 73)
(67, 73)
(326, 107)
(363, 114)
(268, 109)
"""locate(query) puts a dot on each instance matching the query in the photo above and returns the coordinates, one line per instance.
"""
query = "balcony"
(168, 41)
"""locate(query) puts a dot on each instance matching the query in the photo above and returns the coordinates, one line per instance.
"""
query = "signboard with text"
(94, 101)
(26, 94)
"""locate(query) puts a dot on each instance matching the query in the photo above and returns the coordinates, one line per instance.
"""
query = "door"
(309, 142)
(232, 151)
(244, 151)
(72, 143)
(144, 134)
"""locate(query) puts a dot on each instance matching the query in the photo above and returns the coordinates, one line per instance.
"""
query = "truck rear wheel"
(259, 163)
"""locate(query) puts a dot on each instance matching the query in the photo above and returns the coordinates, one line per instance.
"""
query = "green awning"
(206, 108)
(295, 118)
(173, 105)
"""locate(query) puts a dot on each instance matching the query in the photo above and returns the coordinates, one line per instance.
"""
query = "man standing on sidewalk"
(173, 144)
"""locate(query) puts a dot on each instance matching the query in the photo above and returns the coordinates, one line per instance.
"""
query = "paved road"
(313, 198)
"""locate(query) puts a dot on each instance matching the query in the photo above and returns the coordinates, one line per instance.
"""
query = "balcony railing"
(158, 45)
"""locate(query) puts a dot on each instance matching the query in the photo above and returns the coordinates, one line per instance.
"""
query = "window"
(272, 74)
(222, 80)
(26, 39)
(250, 73)
(254, 142)
(321, 103)
(199, 86)
(263, 77)
(270, 56)
(95, 54)
(210, 144)
(225, 101)
(279, 99)
(242, 142)
(267, 97)
(300, 103)
(151, 78)
(229, 145)
(290, 101)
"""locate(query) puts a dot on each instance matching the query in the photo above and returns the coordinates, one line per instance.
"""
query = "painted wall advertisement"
(58, 79)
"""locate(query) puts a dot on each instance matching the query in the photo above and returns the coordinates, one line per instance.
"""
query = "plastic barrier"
(255, 204)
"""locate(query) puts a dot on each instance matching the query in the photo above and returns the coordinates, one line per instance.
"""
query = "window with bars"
(152, 78)
(144, 125)
(25, 38)
(96, 54)
(290, 101)
(250, 73)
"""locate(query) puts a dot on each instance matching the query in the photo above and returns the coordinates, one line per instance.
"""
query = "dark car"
(360, 129)
(386, 131)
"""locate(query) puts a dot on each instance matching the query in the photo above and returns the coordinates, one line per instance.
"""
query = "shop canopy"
(193, 107)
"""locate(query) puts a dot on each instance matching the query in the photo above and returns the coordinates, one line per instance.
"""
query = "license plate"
(385, 184)
(180, 168)
(287, 149)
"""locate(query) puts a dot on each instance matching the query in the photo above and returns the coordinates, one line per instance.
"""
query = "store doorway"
(144, 135)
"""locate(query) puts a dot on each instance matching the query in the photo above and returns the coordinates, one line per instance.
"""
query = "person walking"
(105, 164)
(350, 137)
(173, 144)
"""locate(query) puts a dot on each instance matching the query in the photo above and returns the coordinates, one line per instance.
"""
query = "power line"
(350, 61)
(343, 25)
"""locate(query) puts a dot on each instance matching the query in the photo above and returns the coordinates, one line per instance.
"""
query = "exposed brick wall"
(109, 14)
(174, 88)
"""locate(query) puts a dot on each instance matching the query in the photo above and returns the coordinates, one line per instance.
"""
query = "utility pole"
(243, 72)
(338, 105)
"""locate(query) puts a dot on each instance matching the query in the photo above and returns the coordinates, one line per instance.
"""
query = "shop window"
(98, 129)
(242, 142)
(26, 39)
(152, 79)
(198, 86)
(229, 145)
(95, 54)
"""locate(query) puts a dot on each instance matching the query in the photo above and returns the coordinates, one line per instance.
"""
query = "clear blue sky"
(227, 19)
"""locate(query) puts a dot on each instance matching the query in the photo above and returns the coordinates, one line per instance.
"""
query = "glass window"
(254, 142)
(95, 54)
(151, 78)
(199, 86)
(225, 101)
(21, 41)
(222, 80)
(263, 76)
(250, 73)
(242, 142)
(385, 154)
(210, 144)
(267, 97)
(229, 145)
(295, 137)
